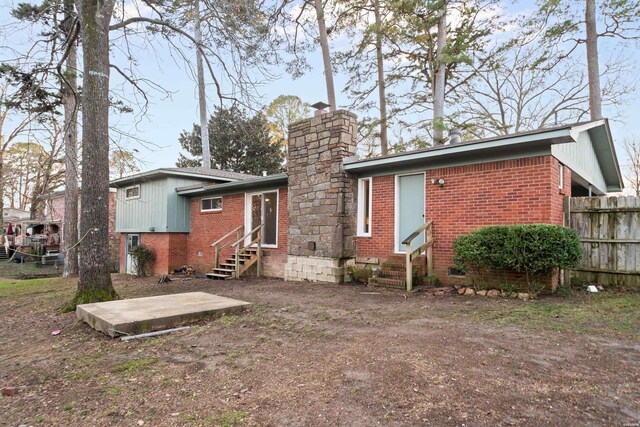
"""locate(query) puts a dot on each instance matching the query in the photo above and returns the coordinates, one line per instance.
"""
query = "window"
(560, 176)
(263, 209)
(364, 207)
(211, 204)
(132, 192)
(455, 272)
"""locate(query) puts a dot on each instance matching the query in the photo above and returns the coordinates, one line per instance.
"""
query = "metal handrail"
(411, 255)
(227, 235)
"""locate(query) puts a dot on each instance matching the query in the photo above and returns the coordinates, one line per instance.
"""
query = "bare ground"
(320, 354)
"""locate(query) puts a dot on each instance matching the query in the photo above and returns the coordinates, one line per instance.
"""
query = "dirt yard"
(325, 355)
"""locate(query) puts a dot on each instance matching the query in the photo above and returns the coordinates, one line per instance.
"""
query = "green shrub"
(142, 257)
(360, 274)
(531, 249)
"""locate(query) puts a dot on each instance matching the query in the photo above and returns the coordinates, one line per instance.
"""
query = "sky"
(167, 117)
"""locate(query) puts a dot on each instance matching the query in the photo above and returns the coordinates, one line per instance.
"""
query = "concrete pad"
(139, 315)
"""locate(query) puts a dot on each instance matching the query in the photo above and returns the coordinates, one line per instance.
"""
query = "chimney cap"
(320, 105)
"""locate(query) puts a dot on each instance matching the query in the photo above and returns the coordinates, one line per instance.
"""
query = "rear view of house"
(332, 210)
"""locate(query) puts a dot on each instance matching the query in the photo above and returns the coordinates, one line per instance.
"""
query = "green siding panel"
(581, 158)
(159, 208)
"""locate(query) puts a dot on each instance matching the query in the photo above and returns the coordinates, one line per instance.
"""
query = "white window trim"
(212, 210)
(247, 216)
(361, 213)
(129, 188)
(561, 174)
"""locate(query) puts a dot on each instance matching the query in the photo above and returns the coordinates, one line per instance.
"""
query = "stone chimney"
(322, 203)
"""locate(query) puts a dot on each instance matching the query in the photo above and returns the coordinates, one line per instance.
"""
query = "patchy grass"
(10, 288)
(13, 270)
(134, 365)
(602, 313)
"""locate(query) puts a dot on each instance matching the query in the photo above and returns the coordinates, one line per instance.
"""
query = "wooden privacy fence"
(609, 229)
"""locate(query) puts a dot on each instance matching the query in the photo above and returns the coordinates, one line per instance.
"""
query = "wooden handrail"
(226, 235)
(416, 232)
(237, 242)
(411, 255)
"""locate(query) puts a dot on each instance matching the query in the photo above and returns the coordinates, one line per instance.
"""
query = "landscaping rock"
(482, 293)
(524, 296)
(493, 293)
(461, 291)
(9, 391)
(469, 291)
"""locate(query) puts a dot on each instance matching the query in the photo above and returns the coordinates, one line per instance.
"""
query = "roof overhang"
(159, 173)
(493, 149)
(606, 153)
(247, 185)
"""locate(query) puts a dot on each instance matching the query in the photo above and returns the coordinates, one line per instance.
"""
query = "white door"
(133, 240)
(263, 209)
(409, 209)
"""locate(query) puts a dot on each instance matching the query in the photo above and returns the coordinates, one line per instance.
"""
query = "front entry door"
(409, 209)
(133, 240)
(264, 209)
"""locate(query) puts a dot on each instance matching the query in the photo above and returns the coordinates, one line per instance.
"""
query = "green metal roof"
(271, 181)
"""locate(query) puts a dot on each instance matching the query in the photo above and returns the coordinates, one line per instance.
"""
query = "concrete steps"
(3, 253)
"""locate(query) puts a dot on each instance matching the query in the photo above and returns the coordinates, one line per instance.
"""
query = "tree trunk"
(94, 283)
(326, 58)
(595, 94)
(384, 144)
(439, 82)
(69, 94)
(202, 93)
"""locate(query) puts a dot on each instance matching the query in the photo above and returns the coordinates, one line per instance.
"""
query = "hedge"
(532, 249)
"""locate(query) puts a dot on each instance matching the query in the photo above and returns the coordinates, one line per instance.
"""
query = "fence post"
(430, 250)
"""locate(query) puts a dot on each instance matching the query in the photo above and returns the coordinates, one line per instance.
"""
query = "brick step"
(388, 283)
(393, 274)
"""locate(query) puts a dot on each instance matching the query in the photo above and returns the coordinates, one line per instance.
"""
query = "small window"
(364, 207)
(455, 272)
(132, 192)
(560, 176)
(211, 204)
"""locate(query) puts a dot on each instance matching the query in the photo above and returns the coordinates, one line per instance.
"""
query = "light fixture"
(439, 182)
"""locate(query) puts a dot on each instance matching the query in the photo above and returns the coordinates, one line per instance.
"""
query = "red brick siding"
(208, 227)
(474, 196)
(170, 250)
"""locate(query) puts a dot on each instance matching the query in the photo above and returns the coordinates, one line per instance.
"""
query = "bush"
(142, 258)
(531, 249)
(360, 274)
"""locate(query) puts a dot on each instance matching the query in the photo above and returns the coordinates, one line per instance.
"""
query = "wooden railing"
(426, 229)
(240, 250)
(219, 246)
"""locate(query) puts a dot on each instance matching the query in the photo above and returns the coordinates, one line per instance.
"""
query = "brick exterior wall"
(208, 227)
(474, 196)
(54, 210)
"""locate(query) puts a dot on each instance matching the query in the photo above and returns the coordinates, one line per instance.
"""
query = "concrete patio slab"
(139, 315)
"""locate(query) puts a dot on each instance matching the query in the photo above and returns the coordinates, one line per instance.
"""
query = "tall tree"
(202, 92)
(94, 282)
(239, 143)
(326, 55)
(632, 170)
(69, 94)
(382, 96)
(562, 20)
(440, 72)
(23, 102)
(122, 163)
(283, 111)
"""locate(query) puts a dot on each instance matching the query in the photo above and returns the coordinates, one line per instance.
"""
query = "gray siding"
(581, 158)
(159, 207)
